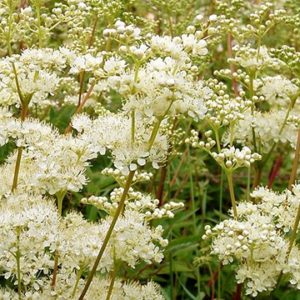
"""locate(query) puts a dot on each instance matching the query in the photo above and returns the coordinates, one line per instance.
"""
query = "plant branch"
(231, 191)
(111, 286)
(232, 67)
(108, 234)
(291, 182)
(295, 163)
(80, 106)
(60, 197)
(18, 257)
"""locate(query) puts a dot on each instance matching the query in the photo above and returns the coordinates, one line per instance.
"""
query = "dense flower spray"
(98, 98)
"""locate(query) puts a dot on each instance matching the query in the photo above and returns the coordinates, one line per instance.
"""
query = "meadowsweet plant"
(149, 149)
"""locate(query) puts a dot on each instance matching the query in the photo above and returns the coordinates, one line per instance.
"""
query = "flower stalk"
(231, 191)
(108, 234)
(78, 276)
(111, 285)
(60, 197)
(24, 112)
(18, 260)
(291, 182)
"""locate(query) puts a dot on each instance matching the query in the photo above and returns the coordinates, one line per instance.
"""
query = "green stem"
(91, 39)
(18, 257)
(291, 182)
(251, 94)
(248, 183)
(24, 113)
(157, 125)
(55, 270)
(231, 134)
(38, 14)
(60, 197)
(136, 75)
(111, 286)
(132, 127)
(220, 214)
(78, 276)
(108, 234)
(154, 133)
(17, 169)
(294, 233)
(258, 47)
(232, 66)
(258, 168)
(10, 27)
(231, 191)
(257, 176)
(295, 163)
(171, 274)
(192, 193)
(22, 99)
(170, 26)
(221, 194)
(216, 131)
(81, 83)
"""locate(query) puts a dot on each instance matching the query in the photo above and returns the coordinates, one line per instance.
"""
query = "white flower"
(277, 90)
(86, 63)
(267, 128)
(28, 223)
(118, 140)
(251, 58)
(190, 43)
(257, 240)
(114, 65)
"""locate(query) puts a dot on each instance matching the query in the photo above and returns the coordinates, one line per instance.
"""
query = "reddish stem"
(275, 170)
(213, 279)
(232, 67)
(293, 175)
(238, 293)
(55, 269)
(80, 106)
(183, 158)
(211, 284)
(160, 190)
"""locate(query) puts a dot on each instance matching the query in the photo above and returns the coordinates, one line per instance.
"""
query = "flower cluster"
(257, 243)
(232, 158)
(229, 158)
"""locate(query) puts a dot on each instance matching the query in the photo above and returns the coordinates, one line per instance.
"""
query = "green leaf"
(61, 118)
